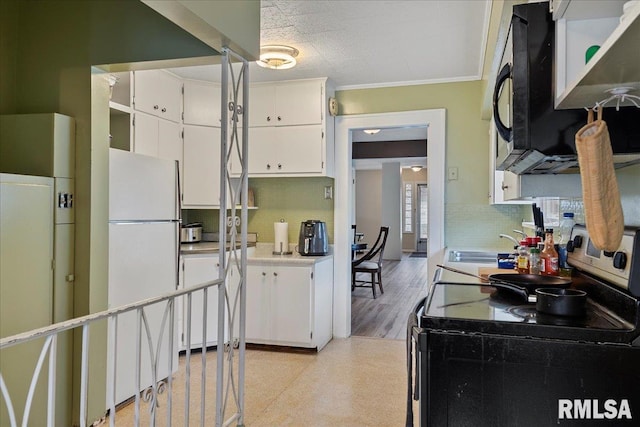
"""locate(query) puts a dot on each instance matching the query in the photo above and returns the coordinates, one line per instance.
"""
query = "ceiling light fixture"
(277, 57)
(416, 168)
(371, 131)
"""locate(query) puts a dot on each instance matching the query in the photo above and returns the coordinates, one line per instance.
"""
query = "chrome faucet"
(522, 233)
(506, 236)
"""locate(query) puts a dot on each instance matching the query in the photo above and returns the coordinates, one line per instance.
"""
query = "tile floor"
(355, 382)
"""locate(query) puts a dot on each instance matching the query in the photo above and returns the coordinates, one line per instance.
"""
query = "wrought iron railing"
(231, 306)
(150, 394)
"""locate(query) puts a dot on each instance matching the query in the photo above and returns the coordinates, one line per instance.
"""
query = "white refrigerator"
(143, 263)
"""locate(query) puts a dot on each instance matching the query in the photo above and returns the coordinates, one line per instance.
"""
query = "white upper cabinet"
(201, 103)
(159, 93)
(581, 24)
(286, 104)
(201, 187)
(156, 137)
(290, 130)
(286, 150)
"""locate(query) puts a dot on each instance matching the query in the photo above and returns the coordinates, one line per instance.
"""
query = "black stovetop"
(611, 314)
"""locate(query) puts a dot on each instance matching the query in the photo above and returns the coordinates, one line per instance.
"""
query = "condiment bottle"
(549, 255)
(534, 261)
(522, 261)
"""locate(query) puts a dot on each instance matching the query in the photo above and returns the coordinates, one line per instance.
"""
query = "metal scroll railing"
(234, 193)
(163, 395)
(148, 345)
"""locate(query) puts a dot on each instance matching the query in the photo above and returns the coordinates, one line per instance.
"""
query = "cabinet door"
(299, 149)
(299, 103)
(145, 87)
(197, 270)
(201, 166)
(258, 303)
(145, 134)
(291, 309)
(263, 155)
(170, 142)
(262, 105)
(169, 90)
(201, 103)
(510, 186)
(159, 93)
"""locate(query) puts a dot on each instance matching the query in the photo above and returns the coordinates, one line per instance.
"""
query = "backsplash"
(292, 199)
(489, 221)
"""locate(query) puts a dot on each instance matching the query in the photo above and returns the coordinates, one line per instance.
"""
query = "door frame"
(418, 227)
(435, 120)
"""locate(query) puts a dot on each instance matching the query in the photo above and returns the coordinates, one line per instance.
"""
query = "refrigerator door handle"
(178, 194)
(178, 223)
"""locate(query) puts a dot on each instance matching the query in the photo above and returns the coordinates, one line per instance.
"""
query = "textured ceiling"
(372, 43)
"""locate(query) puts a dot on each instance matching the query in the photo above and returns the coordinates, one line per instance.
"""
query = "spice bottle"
(534, 261)
(522, 261)
(549, 255)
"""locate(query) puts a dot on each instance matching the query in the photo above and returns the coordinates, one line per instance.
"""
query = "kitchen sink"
(482, 257)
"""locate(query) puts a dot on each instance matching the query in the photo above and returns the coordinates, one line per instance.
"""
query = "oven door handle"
(412, 360)
(505, 132)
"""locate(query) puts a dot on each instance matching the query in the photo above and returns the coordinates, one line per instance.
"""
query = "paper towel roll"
(281, 232)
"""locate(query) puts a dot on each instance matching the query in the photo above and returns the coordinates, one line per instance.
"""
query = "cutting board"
(486, 271)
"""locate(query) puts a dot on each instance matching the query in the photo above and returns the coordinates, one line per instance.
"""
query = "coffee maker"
(313, 239)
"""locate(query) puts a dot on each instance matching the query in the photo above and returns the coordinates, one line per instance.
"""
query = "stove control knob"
(570, 247)
(620, 260)
(609, 254)
(577, 241)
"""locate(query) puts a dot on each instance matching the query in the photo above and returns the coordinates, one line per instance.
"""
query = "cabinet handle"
(264, 274)
(279, 118)
(504, 187)
(268, 118)
(268, 166)
(279, 166)
(155, 107)
(164, 110)
(275, 274)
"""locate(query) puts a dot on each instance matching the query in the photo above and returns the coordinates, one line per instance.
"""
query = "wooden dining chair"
(370, 263)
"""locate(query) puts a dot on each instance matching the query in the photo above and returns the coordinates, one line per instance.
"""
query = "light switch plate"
(453, 174)
(328, 192)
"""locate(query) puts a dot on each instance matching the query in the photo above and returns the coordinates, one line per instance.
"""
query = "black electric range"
(484, 357)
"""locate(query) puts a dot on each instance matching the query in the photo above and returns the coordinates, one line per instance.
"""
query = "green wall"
(467, 198)
(292, 199)
(47, 49)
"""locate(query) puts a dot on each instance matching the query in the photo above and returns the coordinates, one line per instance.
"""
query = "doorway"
(422, 218)
(343, 206)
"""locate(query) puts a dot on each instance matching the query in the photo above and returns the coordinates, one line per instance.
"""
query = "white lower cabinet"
(198, 269)
(290, 305)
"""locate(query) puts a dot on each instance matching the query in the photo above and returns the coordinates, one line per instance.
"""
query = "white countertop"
(203, 248)
(264, 254)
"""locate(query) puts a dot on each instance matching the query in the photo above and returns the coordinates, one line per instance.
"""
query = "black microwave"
(534, 137)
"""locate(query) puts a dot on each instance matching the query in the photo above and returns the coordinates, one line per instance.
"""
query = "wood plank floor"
(404, 283)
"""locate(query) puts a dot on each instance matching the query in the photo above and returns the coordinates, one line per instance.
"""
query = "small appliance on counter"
(313, 238)
(191, 233)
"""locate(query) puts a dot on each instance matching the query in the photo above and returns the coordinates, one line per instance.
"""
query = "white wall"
(368, 203)
(391, 209)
